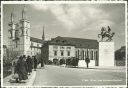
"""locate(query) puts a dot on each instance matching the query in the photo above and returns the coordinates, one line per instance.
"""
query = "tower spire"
(43, 36)
(12, 16)
(23, 12)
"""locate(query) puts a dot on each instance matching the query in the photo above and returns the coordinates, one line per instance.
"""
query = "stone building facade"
(66, 47)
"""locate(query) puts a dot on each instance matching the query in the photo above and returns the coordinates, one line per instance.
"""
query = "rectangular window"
(55, 47)
(61, 47)
(37, 45)
(62, 53)
(68, 52)
(55, 53)
(68, 47)
(31, 43)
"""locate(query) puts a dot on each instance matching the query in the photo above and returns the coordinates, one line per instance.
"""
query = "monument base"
(106, 53)
(82, 63)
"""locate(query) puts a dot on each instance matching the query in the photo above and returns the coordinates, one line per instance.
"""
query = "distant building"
(120, 53)
(120, 58)
(20, 40)
(66, 47)
(35, 46)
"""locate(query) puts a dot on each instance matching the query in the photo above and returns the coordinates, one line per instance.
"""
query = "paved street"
(61, 76)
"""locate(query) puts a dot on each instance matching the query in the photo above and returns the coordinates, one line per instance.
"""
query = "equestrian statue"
(106, 33)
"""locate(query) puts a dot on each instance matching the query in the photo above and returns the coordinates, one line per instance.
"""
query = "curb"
(29, 81)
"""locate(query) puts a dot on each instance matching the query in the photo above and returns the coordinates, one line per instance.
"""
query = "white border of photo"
(61, 2)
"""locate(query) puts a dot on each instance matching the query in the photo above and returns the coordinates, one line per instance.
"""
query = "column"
(86, 53)
(89, 53)
(78, 54)
(83, 55)
(93, 54)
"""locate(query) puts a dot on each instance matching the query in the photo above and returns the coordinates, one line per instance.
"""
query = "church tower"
(20, 34)
(12, 28)
(24, 33)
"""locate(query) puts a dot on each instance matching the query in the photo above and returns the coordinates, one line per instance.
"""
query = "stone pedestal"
(106, 53)
(82, 63)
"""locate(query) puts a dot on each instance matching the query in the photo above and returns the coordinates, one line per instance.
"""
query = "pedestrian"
(29, 65)
(87, 60)
(14, 69)
(21, 68)
(35, 63)
(42, 63)
(14, 64)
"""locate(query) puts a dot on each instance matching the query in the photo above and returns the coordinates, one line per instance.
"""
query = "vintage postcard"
(63, 44)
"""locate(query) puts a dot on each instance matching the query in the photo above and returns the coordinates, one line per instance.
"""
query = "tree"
(62, 61)
(55, 61)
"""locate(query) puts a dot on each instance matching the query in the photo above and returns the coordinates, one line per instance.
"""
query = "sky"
(69, 20)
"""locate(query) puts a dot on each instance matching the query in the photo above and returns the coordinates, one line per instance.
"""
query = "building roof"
(77, 42)
(36, 40)
(35, 47)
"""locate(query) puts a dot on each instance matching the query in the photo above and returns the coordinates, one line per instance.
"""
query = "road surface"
(61, 76)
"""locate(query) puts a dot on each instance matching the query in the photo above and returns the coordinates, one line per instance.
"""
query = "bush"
(62, 61)
(68, 61)
(72, 61)
(55, 61)
(7, 64)
(49, 62)
(75, 62)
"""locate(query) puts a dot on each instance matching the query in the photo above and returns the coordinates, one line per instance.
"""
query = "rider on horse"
(108, 32)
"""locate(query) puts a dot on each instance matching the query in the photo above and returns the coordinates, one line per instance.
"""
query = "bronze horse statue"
(106, 33)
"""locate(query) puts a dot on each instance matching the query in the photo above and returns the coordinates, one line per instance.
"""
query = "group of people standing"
(23, 67)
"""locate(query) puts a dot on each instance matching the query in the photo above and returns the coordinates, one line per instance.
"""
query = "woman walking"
(29, 65)
(35, 63)
(21, 68)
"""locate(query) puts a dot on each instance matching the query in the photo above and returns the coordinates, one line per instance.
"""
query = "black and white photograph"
(63, 44)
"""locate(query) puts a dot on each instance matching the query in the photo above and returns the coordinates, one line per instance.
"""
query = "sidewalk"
(28, 82)
(100, 68)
